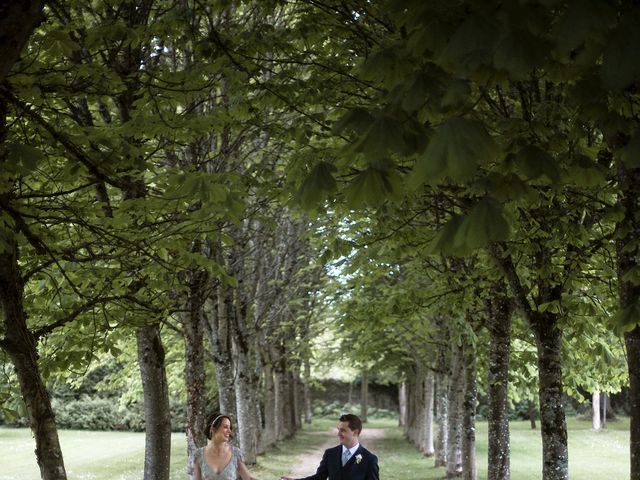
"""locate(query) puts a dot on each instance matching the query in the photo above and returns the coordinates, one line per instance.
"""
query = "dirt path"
(306, 464)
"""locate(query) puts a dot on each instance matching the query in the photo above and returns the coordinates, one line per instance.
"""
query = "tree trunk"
(595, 411)
(429, 387)
(270, 411)
(364, 395)
(218, 329)
(455, 402)
(308, 414)
(628, 232)
(469, 463)
(442, 419)
(632, 342)
(194, 372)
(553, 427)
(402, 402)
(247, 393)
(21, 346)
(294, 399)
(532, 414)
(548, 344)
(284, 427)
(19, 343)
(157, 414)
(604, 398)
(415, 407)
(499, 326)
(17, 22)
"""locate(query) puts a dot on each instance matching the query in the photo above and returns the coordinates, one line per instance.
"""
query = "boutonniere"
(358, 458)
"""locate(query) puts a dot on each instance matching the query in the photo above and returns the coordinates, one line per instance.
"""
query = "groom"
(349, 460)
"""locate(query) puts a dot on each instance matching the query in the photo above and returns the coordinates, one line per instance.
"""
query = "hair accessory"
(216, 419)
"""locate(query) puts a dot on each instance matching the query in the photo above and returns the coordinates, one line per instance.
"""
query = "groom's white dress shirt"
(352, 450)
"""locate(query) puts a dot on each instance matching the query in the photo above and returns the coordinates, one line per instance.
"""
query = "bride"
(219, 460)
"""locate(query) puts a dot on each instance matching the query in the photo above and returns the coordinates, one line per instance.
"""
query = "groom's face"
(347, 437)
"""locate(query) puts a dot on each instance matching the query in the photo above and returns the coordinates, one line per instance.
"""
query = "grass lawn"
(120, 456)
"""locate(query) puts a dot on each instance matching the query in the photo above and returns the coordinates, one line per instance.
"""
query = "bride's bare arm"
(243, 471)
(196, 471)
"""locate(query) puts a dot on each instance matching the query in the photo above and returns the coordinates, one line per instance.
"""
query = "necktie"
(345, 457)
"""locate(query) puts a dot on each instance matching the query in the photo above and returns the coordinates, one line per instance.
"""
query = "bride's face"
(223, 432)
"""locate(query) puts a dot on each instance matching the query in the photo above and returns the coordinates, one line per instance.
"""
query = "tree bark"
(553, 425)
(442, 419)
(157, 414)
(194, 371)
(455, 402)
(19, 342)
(632, 342)
(628, 231)
(247, 381)
(402, 403)
(469, 463)
(499, 327)
(595, 411)
(284, 427)
(17, 22)
(548, 344)
(428, 448)
(308, 414)
(415, 406)
(218, 330)
(294, 399)
(364, 395)
(532, 414)
(247, 406)
(21, 346)
(270, 412)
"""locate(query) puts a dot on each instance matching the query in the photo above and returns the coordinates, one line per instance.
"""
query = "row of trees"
(143, 164)
(497, 160)
(471, 161)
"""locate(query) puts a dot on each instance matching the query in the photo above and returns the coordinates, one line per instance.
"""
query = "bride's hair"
(213, 423)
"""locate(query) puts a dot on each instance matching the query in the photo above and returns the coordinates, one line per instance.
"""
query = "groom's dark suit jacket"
(331, 466)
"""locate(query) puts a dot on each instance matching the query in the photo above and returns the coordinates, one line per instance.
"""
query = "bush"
(85, 413)
(333, 410)
(95, 413)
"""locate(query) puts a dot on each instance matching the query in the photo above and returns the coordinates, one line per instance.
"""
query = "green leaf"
(583, 20)
(485, 223)
(23, 155)
(385, 134)
(418, 91)
(456, 95)
(605, 354)
(317, 185)
(506, 187)
(630, 153)
(471, 46)
(627, 319)
(621, 60)
(372, 187)
(456, 150)
(583, 171)
(632, 275)
(519, 52)
(357, 119)
(552, 307)
(535, 163)
(443, 242)
(388, 65)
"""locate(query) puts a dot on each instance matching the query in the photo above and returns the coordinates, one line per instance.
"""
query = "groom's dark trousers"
(363, 465)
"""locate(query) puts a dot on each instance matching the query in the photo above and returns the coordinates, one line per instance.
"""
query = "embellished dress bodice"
(229, 472)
